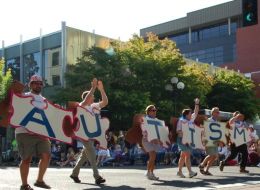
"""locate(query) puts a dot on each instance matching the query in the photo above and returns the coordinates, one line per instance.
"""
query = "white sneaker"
(192, 174)
(180, 174)
(258, 165)
(156, 178)
(151, 176)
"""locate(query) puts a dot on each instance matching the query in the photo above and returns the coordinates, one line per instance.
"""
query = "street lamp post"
(173, 87)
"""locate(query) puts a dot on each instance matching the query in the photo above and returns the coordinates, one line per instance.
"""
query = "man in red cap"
(30, 144)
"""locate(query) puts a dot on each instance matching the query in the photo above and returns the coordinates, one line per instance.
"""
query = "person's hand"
(197, 100)
(100, 85)
(94, 83)
(240, 117)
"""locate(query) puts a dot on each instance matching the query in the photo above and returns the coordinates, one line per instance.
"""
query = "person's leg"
(151, 161)
(151, 166)
(188, 164)
(43, 150)
(244, 154)
(24, 170)
(26, 148)
(234, 152)
(210, 163)
(187, 161)
(204, 162)
(81, 160)
(181, 161)
(91, 156)
(43, 165)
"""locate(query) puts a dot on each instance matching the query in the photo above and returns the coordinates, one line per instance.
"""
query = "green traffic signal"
(249, 17)
(250, 9)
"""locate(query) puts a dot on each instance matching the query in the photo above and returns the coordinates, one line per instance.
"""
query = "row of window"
(205, 33)
(213, 55)
(32, 65)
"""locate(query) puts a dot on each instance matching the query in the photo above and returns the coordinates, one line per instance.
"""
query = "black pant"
(238, 149)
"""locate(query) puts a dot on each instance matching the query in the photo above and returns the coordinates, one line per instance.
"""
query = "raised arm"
(197, 107)
(90, 94)
(237, 117)
(104, 99)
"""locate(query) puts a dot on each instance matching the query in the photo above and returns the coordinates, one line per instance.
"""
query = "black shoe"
(244, 171)
(201, 169)
(26, 187)
(221, 165)
(41, 184)
(207, 173)
(100, 180)
(75, 179)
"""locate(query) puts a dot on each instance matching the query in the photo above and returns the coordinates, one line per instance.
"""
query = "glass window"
(233, 27)
(52, 66)
(56, 80)
(195, 36)
(209, 32)
(55, 58)
(211, 55)
(234, 52)
(180, 39)
(14, 65)
(31, 66)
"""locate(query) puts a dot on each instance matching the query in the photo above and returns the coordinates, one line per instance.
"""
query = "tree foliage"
(232, 91)
(135, 73)
(5, 80)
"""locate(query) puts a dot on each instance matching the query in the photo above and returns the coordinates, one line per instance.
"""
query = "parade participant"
(237, 121)
(150, 147)
(211, 150)
(185, 155)
(88, 152)
(30, 144)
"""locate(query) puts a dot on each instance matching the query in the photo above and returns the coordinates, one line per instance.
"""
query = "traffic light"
(249, 12)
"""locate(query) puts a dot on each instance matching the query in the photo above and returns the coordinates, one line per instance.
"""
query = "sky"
(118, 19)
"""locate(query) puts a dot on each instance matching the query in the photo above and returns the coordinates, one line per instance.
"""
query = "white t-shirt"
(37, 102)
(93, 108)
(183, 120)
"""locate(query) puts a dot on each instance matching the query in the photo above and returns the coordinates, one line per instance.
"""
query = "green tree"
(232, 91)
(5, 80)
(134, 76)
(198, 83)
(135, 73)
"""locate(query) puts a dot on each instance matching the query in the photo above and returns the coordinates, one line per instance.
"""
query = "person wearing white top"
(30, 144)
(185, 155)
(212, 150)
(237, 121)
(88, 152)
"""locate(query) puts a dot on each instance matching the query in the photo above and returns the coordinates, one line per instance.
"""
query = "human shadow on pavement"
(208, 182)
(124, 187)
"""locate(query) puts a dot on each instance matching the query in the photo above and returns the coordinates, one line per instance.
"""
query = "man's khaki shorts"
(32, 145)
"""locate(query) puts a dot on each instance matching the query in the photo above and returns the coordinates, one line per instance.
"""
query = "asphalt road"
(133, 178)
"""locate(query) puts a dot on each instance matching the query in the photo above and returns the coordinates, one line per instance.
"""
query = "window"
(14, 65)
(211, 55)
(31, 66)
(56, 80)
(180, 39)
(55, 58)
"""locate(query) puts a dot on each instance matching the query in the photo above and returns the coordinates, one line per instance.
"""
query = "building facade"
(47, 56)
(218, 36)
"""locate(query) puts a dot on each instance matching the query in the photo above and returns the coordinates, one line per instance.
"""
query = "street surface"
(132, 178)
